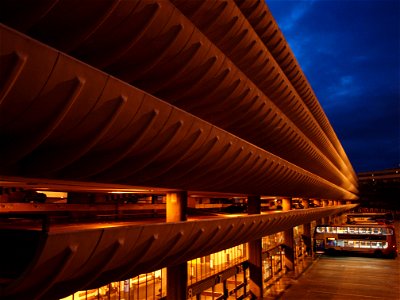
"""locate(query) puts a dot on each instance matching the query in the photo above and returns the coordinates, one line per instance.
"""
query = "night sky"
(350, 54)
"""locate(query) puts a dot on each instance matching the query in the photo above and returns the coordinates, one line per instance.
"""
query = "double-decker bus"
(376, 239)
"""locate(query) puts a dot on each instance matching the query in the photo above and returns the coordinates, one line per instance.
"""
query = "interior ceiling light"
(129, 192)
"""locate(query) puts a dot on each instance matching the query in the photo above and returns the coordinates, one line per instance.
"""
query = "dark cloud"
(350, 53)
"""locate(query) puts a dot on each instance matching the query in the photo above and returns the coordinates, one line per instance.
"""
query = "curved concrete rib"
(66, 257)
(261, 19)
(153, 46)
(52, 136)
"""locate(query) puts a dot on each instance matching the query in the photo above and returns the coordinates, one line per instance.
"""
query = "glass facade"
(233, 287)
(299, 250)
(221, 275)
(206, 266)
(145, 286)
(271, 241)
(272, 258)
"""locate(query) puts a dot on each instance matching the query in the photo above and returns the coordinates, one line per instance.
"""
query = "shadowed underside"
(63, 119)
(180, 95)
(66, 261)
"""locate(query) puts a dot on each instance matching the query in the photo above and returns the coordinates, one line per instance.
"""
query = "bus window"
(377, 231)
(331, 229)
(319, 244)
(386, 231)
(364, 230)
(353, 230)
(331, 242)
(340, 243)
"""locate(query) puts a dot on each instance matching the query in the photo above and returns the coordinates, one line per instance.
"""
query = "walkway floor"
(284, 282)
(343, 278)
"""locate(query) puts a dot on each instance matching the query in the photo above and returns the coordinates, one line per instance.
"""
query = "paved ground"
(347, 278)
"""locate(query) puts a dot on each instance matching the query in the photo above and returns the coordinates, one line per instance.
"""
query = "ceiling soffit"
(163, 53)
(75, 122)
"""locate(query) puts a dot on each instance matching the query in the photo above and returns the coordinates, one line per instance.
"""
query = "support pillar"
(289, 249)
(176, 206)
(305, 203)
(177, 275)
(177, 282)
(255, 252)
(318, 203)
(307, 238)
(286, 204)
(325, 203)
(307, 229)
(289, 239)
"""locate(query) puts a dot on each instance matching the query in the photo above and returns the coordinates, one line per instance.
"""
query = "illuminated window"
(145, 286)
(206, 266)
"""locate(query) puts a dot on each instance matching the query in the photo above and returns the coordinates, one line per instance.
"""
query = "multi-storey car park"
(169, 105)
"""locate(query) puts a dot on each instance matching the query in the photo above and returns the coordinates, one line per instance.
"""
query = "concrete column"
(289, 238)
(255, 252)
(325, 203)
(286, 204)
(177, 275)
(254, 205)
(307, 238)
(176, 206)
(304, 202)
(307, 229)
(177, 282)
(289, 249)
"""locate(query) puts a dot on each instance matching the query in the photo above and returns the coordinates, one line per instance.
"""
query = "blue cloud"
(350, 53)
